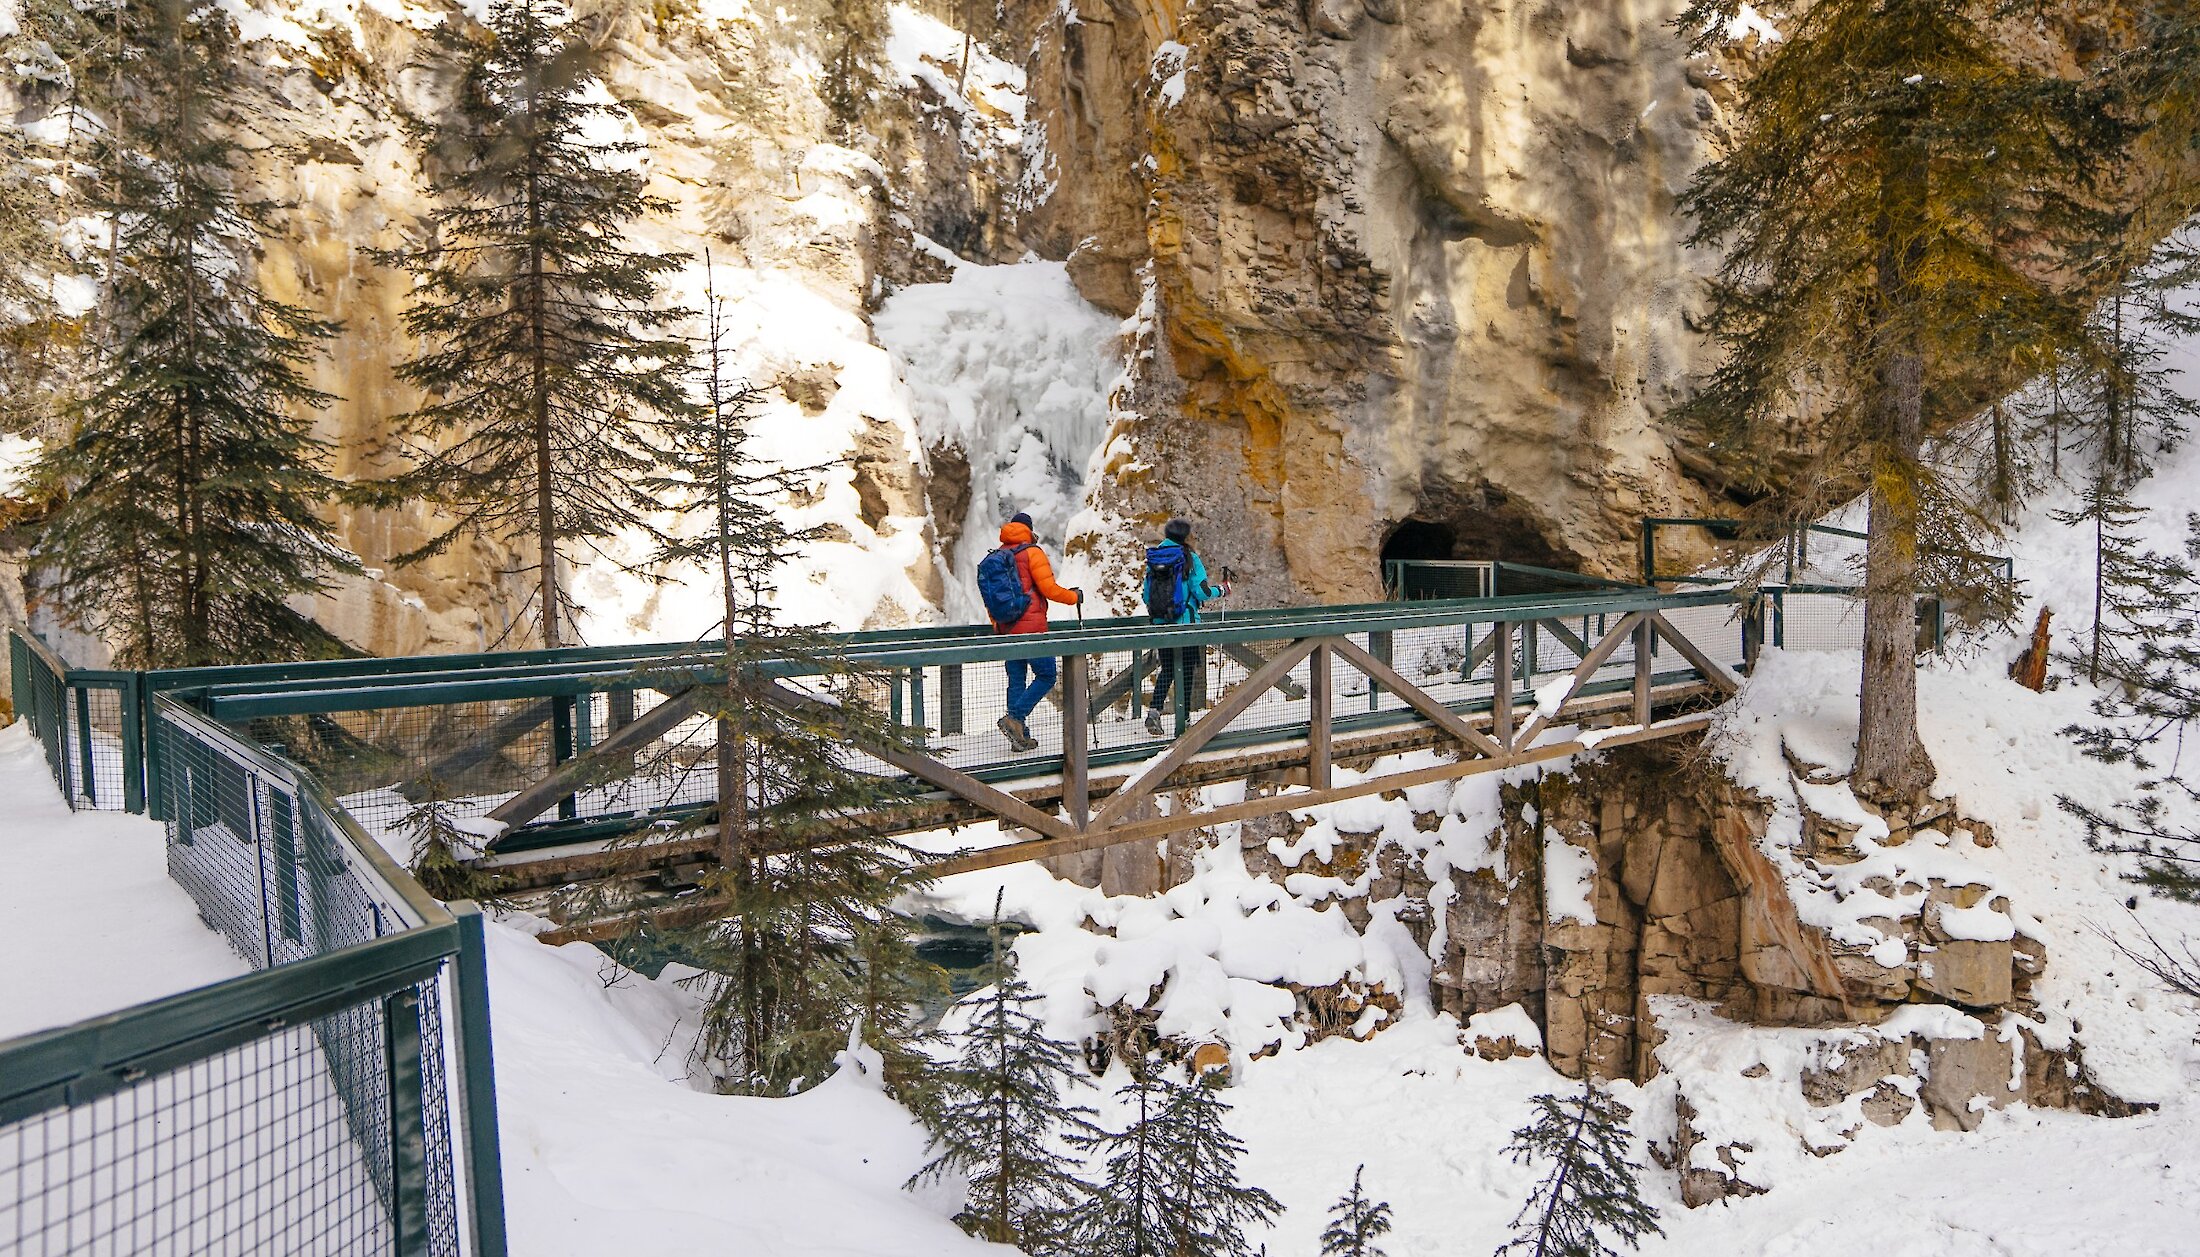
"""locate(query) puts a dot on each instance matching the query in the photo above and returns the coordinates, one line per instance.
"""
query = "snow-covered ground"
(86, 906)
(609, 1146)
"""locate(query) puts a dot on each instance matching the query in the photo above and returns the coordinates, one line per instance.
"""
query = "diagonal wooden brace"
(1712, 670)
(1415, 697)
(589, 769)
(1590, 662)
(1215, 721)
(960, 784)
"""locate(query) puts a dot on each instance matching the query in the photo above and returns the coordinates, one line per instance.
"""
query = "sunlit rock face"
(1397, 262)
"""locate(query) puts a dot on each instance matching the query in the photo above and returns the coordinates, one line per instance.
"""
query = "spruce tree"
(1901, 181)
(1172, 1186)
(1591, 1189)
(1355, 1223)
(810, 944)
(547, 349)
(184, 492)
(34, 332)
(438, 848)
(1004, 1115)
(2150, 701)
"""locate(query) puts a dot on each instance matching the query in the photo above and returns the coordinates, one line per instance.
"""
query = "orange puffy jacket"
(1039, 581)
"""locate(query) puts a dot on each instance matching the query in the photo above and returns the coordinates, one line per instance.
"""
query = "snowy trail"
(87, 901)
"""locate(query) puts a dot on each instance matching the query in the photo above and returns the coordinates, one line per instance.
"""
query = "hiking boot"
(1019, 738)
(1153, 724)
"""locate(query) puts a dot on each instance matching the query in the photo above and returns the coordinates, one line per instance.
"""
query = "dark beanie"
(1178, 529)
(1020, 518)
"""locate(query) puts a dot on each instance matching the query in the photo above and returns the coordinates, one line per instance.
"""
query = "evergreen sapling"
(1005, 1115)
(810, 947)
(1355, 1223)
(1172, 1187)
(1590, 1189)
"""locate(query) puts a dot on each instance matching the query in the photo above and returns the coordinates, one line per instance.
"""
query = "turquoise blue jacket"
(1197, 592)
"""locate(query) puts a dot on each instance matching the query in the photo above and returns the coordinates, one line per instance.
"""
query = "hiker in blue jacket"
(1176, 588)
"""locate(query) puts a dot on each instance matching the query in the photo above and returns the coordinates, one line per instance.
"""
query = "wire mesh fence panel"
(1821, 621)
(93, 742)
(252, 1150)
(383, 763)
(1414, 580)
(40, 697)
(270, 868)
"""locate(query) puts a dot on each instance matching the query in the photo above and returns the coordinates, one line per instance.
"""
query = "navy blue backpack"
(1166, 566)
(1001, 585)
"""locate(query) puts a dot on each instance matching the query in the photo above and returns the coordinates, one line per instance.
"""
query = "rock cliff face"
(1633, 914)
(1399, 262)
(1380, 263)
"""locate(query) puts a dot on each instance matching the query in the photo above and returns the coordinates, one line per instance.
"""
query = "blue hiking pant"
(1023, 696)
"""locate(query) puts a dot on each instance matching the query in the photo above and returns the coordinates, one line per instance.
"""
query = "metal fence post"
(84, 744)
(1501, 684)
(408, 1125)
(951, 699)
(561, 747)
(477, 1085)
(133, 743)
(1378, 645)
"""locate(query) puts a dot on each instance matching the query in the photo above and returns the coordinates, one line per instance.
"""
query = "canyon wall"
(1374, 262)
(1396, 262)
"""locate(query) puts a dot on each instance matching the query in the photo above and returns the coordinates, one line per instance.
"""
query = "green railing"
(339, 1100)
(476, 731)
(1794, 557)
(1415, 580)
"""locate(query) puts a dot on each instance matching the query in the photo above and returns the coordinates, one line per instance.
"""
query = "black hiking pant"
(1194, 659)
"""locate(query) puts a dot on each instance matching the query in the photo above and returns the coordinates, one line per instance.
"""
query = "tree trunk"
(1891, 762)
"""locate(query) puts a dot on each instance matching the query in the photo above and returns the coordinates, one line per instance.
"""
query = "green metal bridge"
(342, 1096)
(584, 761)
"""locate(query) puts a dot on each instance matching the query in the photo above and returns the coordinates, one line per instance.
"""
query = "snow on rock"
(986, 95)
(1569, 880)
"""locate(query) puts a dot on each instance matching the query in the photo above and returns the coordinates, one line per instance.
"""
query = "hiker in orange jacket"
(1039, 584)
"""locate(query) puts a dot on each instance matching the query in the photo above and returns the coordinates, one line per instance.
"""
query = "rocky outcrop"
(1403, 262)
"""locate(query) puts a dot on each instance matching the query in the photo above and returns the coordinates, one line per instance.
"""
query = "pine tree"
(1355, 1223)
(1591, 1189)
(34, 332)
(1172, 1186)
(1900, 180)
(548, 352)
(810, 945)
(438, 849)
(184, 494)
(2151, 700)
(1004, 1115)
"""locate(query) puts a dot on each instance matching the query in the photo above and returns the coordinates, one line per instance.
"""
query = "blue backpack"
(1166, 566)
(1001, 585)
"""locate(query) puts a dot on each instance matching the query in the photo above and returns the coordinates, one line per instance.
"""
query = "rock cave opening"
(1481, 523)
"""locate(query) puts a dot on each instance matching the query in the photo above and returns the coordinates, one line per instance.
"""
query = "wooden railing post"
(1317, 719)
(1645, 662)
(1076, 742)
(1501, 693)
